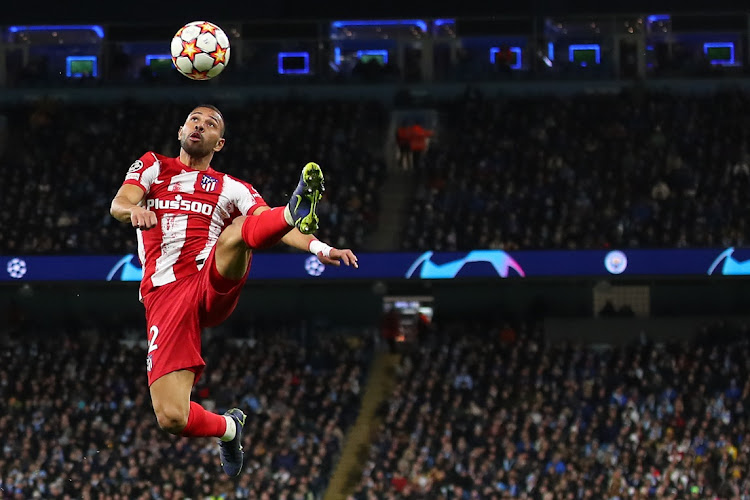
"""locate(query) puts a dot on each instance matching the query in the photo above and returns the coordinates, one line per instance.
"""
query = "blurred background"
(549, 202)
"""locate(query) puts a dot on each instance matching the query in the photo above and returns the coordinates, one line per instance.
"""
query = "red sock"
(266, 229)
(202, 423)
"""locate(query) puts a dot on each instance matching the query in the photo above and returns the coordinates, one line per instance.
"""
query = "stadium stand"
(655, 170)
(77, 156)
(635, 169)
(496, 413)
(77, 422)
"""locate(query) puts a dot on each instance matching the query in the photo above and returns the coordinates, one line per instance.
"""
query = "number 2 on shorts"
(152, 345)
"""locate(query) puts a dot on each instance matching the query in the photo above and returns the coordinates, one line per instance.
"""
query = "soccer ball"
(200, 50)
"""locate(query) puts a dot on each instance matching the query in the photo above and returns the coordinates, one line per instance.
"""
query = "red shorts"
(176, 313)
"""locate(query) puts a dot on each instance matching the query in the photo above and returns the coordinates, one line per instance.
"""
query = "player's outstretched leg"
(305, 199)
(231, 451)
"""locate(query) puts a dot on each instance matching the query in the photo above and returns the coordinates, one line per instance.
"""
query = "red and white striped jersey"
(192, 208)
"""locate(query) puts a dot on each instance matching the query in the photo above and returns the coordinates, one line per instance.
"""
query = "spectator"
(557, 172)
(86, 152)
(404, 150)
(564, 421)
(75, 421)
(418, 138)
(392, 328)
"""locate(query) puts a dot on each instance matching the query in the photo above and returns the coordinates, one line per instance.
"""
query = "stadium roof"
(140, 11)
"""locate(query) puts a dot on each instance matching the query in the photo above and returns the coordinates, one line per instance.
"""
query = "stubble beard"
(195, 149)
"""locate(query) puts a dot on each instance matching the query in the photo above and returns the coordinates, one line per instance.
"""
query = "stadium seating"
(495, 413)
(65, 162)
(637, 169)
(77, 421)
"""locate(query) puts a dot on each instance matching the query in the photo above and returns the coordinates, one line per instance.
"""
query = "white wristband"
(317, 246)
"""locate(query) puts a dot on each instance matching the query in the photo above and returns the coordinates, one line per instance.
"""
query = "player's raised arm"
(125, 207)
(326, 254)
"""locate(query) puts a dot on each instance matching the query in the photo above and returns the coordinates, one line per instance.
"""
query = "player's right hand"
(142, 218)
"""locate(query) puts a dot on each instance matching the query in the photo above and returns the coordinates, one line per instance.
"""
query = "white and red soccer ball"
(200, 50)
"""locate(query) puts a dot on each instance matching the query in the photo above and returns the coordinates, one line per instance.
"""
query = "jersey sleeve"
(143, 171)
(244, 196)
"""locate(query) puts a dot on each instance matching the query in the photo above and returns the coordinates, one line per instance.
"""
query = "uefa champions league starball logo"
(313, 266)
(16, 268)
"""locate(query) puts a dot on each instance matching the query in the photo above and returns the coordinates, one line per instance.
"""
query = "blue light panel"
(383, 53)
(151, 57)
(721, 45)
(658, 17)
(337, 55)
(515, 50)
(303, 71)
(591, 46)
(70, 59)
(440, 22)
(384, 22)
(551, 51)
(93, 27)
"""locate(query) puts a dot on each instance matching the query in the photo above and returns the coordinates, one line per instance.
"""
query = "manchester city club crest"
(208, 183)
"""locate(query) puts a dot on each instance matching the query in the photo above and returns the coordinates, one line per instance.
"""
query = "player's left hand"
(337, 256)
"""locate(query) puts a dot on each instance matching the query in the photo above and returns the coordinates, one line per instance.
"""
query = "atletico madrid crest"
(208, 183)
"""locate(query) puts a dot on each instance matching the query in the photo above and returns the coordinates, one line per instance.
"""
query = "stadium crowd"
(496, 413)
(641, 168)
(76, 420)
(63, 163)
(635, 169)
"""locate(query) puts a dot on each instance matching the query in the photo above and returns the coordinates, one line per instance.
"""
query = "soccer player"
(197, 229)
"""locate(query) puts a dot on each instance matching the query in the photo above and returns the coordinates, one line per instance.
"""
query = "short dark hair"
(214, 108)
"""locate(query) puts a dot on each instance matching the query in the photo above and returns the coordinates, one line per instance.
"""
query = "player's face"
(201, 135)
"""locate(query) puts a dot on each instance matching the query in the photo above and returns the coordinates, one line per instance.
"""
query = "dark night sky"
(157, 12)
